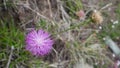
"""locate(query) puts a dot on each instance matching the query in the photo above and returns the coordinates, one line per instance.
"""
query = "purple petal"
(39, 43)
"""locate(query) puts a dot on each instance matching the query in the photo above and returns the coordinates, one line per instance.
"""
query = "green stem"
(73, 27)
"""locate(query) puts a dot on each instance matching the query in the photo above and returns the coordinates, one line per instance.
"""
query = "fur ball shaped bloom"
(38, 42)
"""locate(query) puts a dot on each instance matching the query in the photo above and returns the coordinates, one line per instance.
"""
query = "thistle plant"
(38, 42)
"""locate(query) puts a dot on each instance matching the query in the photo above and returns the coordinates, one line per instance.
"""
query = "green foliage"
(42, 24)
(7, 4)
(118, 12)
(73, 6)
(48, 26)
(10, 35)
(111, 29)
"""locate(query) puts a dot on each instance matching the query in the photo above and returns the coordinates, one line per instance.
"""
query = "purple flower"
(38, 42)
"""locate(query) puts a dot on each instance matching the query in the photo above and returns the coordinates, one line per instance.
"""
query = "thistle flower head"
(38, 42)
(80, 14)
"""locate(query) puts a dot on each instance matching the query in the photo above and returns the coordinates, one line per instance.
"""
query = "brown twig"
(10, 56)
(50, 9)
